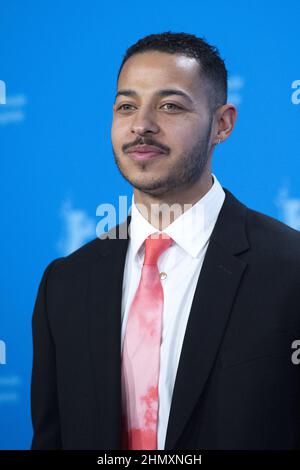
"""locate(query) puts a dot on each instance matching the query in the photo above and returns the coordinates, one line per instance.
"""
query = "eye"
(122, 105)
(172, 104)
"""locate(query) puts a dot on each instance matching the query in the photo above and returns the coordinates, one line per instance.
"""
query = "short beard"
(184, 174)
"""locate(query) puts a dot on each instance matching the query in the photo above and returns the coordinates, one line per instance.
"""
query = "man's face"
(180, 126)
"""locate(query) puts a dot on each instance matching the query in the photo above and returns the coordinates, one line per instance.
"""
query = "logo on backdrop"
(2, 92)
(13, 111)
(235, 87)
(2, 352)
(78, 228)
(289, 208)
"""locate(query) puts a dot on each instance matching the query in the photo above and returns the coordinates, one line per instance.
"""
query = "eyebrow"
(160, 93)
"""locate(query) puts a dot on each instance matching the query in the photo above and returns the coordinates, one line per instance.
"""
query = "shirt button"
(162, 275)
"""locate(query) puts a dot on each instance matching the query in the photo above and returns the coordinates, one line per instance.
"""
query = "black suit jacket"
(236, 385)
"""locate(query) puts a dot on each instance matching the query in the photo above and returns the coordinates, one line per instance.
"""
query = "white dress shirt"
(182, 263)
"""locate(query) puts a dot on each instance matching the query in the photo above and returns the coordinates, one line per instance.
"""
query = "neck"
(160, 211)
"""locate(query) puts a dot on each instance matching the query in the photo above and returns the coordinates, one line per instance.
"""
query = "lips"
(145, 149)
(145, 152)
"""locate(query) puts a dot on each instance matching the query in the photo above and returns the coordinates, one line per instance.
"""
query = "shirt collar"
(191, 230)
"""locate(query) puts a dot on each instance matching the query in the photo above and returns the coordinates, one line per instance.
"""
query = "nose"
(144, 122)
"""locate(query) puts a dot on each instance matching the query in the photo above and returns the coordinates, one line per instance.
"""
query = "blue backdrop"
(59, 61)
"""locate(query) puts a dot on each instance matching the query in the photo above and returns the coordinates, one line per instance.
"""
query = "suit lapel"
(215, 292)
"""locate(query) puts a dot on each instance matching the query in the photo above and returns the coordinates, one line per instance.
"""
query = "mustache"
(145, 142)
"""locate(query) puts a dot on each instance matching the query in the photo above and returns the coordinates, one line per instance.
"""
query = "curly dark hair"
(212, 67)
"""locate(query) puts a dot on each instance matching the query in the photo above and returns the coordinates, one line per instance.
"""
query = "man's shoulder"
(75, 262)
(273, 242)
(272, 231)
(267, 236)
(79, 261)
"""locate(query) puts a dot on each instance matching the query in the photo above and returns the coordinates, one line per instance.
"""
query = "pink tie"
(141, 352)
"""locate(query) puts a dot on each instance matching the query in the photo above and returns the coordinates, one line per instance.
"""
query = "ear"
(227, 115)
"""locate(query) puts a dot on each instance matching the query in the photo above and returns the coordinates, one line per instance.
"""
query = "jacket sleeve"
(44, 400)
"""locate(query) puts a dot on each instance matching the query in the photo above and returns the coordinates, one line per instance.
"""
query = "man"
(180, 336)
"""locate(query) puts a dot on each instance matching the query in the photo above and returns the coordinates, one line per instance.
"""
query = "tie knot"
(155, 245)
